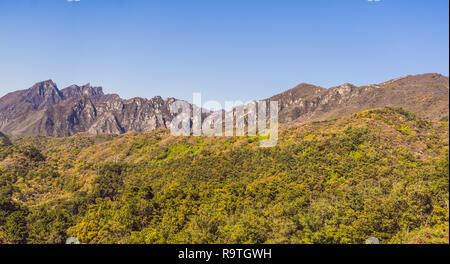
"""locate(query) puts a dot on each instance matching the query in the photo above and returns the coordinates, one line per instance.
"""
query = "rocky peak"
(44, 86)
(297, 95)
(44, 110)
(411, 81)
(344, 89)
(88, 90)
(303, 90)
(75, 91)
(42, 94)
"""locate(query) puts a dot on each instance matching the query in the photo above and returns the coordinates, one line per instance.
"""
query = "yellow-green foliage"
(381, 173)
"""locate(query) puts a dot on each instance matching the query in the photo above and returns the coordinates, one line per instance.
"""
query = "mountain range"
(45, 110)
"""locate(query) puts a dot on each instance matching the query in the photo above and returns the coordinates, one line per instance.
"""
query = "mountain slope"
(47, 111)
(426, 95)
(381, 173)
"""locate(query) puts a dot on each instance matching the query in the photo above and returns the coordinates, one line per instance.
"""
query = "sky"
(224, 49)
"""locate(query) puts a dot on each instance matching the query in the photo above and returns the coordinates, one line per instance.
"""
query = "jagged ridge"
(45, 110)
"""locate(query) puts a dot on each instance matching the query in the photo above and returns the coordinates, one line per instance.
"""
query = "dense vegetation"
(381, 173)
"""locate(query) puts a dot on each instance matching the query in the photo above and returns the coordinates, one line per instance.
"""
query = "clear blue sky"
(226, 49)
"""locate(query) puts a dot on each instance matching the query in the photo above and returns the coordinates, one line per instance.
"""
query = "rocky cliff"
(45, 110)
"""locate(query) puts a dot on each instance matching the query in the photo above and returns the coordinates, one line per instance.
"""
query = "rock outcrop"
(45, 110)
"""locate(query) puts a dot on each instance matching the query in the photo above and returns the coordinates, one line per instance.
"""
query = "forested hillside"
(381, 173)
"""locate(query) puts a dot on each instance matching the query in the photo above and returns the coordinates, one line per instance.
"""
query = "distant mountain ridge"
(45, 110)
(425, 95)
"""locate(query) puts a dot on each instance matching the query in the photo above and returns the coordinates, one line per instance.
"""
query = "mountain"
(45, 110)
(39, 96)
(378, 173)
(426, 95)
(360, 173)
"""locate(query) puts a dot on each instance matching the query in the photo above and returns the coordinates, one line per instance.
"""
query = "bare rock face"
(75, 91)
(4, 140)
(45, 110)
(39, 96)
(426, 95)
